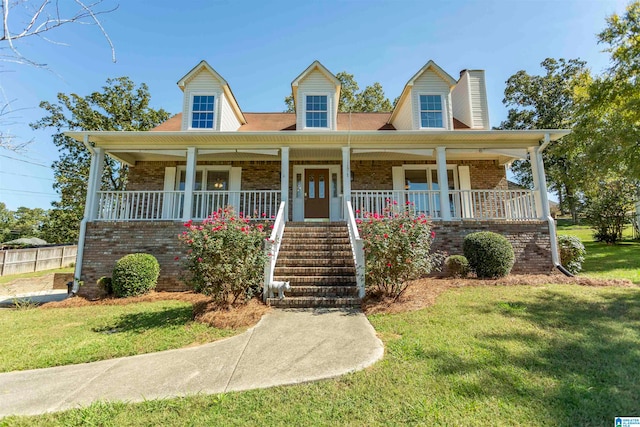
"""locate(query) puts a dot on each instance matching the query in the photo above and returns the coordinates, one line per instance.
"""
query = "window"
(316, 112)
(423, 186)
(431, 111)
(202, 112)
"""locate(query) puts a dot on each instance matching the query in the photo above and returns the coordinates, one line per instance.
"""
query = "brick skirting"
(106, 242)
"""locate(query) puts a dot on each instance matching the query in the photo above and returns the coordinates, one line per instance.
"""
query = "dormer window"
(202, 112)
(317, 112)
(431, 111)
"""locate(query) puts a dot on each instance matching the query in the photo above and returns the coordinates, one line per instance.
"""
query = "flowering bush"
(397, 248)
(225, 258)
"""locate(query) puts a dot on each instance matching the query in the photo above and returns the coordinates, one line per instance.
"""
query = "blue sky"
(260, 47)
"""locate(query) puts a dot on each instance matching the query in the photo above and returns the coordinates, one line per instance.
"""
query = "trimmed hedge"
(572, 253)
(135, 274)
(490, 254)
(457, 266)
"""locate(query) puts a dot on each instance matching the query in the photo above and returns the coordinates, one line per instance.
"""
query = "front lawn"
(621, 261)
(563, 355)
(41, 337)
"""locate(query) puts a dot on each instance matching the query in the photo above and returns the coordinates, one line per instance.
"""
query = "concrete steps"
(316, 259)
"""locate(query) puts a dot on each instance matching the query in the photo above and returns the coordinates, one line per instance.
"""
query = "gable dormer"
(208, 103)
(315, 95)
(470, 100)
(425, 102)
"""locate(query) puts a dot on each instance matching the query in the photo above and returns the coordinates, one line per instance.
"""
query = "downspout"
(553, 237)
(83, 225)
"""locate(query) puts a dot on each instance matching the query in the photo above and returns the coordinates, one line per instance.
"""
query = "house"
(435, 149)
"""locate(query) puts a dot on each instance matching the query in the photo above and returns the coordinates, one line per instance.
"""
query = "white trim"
(335, 203)
(329, 111)
(217, 107)
(205, 169)
(426, 167)
(444, 111)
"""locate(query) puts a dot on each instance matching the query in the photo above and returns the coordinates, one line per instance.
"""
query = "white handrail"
(272, 248)
(357, 248)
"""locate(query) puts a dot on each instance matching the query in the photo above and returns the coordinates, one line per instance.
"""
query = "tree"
(29, 221)
(371, 99)
(119, 107)
(7, 223)
(549, 102)
(24, 20)
(609, 209)
(609, 120)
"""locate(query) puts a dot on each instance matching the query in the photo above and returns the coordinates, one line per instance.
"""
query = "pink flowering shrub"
(397, 248)
(225, 256)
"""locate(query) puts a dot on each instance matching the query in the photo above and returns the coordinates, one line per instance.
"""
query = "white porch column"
(536, 182)
(542, 183)
(346, 174)
(190, 177)
(443, 182)
(94, 184)
(284, 179)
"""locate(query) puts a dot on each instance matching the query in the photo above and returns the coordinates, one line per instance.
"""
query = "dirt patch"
(28, 285)
(223, 316)
(424, 292)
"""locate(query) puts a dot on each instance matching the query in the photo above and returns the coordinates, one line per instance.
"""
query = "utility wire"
(26, 191)
(27, 161)
(28, 176)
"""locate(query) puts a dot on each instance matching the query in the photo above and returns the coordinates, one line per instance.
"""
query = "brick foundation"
(530, 241)
(106, 242)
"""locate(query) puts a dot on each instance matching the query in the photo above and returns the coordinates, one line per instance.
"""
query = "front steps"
(316, 259)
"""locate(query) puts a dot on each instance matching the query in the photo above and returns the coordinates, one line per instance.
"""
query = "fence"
(16, 261)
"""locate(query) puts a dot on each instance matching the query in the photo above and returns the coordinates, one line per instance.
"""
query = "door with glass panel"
(423, 191)
(316, 193)
(210, 191)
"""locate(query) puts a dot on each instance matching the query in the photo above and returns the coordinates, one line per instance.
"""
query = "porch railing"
(463, 204)
(272, 247)
(169, 205)
(357, 248)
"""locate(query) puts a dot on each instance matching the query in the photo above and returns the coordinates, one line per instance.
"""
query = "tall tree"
(371, 99)
(120, 106)
(609, 120)
(549, 102)
(7, 223)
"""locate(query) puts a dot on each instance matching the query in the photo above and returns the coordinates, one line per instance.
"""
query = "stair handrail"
(272, 248)
(357, 248)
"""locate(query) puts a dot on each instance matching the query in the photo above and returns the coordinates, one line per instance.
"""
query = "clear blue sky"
(260, 47)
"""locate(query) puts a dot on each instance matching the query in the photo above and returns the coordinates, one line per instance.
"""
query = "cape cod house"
(435, 149)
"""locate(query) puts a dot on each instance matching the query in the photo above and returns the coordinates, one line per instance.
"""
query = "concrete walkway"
(39, 297)
(285, 347)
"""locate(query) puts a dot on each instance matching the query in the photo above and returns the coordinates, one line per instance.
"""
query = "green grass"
(560, 355)
(39, 338)
(11, 278)
(621, 261)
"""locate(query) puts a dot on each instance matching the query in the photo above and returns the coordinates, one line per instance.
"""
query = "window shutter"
(397, 173)
(464, 178)
(168, 199)
(235, 179)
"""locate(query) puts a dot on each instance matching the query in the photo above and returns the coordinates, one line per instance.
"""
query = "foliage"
(572, 253)
(106, 284)
(457, 266)
(23, 222)
(225, 256)
(609, 120)
(120, 106)
(490, 254)
(610, 209)
(548, 102)
(135, 274)
(371, 99)
(397, 248)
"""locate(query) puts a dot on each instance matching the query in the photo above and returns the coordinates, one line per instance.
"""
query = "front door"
(316, 193)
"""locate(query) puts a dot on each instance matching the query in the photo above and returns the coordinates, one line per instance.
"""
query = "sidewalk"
(285, 347)
(39, 297)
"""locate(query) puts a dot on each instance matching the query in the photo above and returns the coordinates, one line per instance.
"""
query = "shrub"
(225, 256)
(397, 248)
(457, 266)
(572, 253)
(135, 274)
(490, 254)
(609, 210)
(105, 283)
